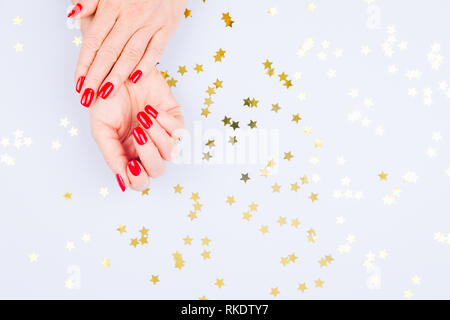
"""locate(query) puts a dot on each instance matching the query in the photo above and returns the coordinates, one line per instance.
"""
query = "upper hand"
(124, 41)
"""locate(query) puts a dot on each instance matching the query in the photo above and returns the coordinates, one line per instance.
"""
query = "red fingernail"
(106, 90)
(140, 135)
(75, 11)
(134, 167)
(145, 120)
(151, 111)
(87, 97)
(120, 182)
(80, 84)
(135, 76)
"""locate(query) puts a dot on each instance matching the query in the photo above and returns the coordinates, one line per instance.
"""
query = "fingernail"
(151, 111)
(80, 84)
(87, 97)
(145, 120)
(134, 167)
(106, 90)
(135, 76)
(140, 136)
(75, 11)
(120, 182)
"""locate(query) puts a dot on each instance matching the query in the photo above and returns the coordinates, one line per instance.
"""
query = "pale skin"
(114, 119)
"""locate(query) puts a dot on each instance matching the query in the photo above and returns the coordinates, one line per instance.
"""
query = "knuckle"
(155, 52)
(132, 53)
(91, 42)
(108, 52)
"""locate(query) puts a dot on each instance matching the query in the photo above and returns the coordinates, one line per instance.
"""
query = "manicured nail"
(145, 120)
(106, 90)
(140, 136)
(151, 111)
(134, 167)
(120, 182)
(87, 97)
(80, 84)
(75, 11)
(135, 76)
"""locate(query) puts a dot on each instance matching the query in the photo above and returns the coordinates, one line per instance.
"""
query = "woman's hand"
(124, 41)
(136, 128)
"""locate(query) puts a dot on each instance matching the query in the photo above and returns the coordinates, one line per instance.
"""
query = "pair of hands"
(134, 121)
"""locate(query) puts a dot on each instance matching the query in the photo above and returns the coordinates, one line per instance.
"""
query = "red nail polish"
(80, 84)
(140, 136)
(106, 90)
(134, 167)
(145, 120)
(120, 182)
(87, 97)
(75, 11)
(135, 76)
(151, 111)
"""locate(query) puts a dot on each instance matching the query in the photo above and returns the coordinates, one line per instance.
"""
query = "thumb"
(82, 8)
(113, 152)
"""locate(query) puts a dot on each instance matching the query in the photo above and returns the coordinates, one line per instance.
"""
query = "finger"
(106, 56)
(129, 58)
(171, 120)
(99, 28)
(148, 153)
(152, 55)
(82, 8)
(112, 150)
(137, 175)
(165, 144)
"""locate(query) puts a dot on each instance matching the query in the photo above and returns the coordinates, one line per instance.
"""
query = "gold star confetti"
(182, 70)
(145, 192)
(264, 229)
(188, 240)
(275, 292)
(245, 177)
(77, 41)
(282, 221)
(383, 176)
(187, 13)
(178, 258)
(253, 207)
(195, 196)
(122, 229)
(314, 197)
(172, 82)
(205, 241)
(178, 189)
(246, 215)
(106, 263)
(17, 21)
(302, 287)
(288, 156)
(275, 107)
(154, 279)
(198, 68)
(230, 200)
(295, 222)
(206, 254)
(218, 84)
(296, 118)
(219, 55)
(219, 283)
(67, 196)
(227, 19)
(319, 283)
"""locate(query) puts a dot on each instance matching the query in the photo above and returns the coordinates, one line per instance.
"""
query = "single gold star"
(275, 107)
(275, 292)
(302, 287)
(122, 229)
(154, 279)
(219, 283)
(264, 172)
(253, 206)
(144, 231)
(172, 82)
(198, 68)
(210, 91)
(267, 64)
(281, 221)
(307, 130)
(311, 6)
(288, 84)
(245, 177)
(77, 41)
(318, 143)
(187, 13)
(195, 196)
(232, 140)
(205, 241)
(322, 262)
(383, 176)
(319, 283)
(246, 215)
(134, 242)
(143, 240)
(67, 196)
(264, 229)
(165, 74)
(206, 254)
(210, 143)
(254, 103)
(177, 188)
(182, 70)
(17, 21)
(188, 241)
(252, 124)
(205, 112)
(304, 179)
(218, 84)
(270, 72)
(106, 263)
(288, 156)
(230, 200)
(206, 156)
(283, 76)
(314, 196)
(293, 257)
(284, 261)
(197, 206)
(192, 215)
(276, 187)
(295, 222)
(295, 187)
(296, 118)
(145, 192)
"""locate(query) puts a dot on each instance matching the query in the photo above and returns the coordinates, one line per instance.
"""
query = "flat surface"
(369, 85)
